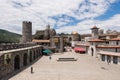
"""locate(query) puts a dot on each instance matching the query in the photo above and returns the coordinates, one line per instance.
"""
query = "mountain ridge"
(9, 37)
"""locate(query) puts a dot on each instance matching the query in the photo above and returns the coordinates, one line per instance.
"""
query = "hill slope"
(9, 37)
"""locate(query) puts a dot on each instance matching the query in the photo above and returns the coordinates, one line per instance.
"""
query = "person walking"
(31, 70)
(50, 57)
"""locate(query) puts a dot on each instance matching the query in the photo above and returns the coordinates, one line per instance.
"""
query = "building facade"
(103, 46)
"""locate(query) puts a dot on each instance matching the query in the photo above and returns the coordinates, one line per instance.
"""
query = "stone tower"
(47, 32)
(95, 32)
(26, 32)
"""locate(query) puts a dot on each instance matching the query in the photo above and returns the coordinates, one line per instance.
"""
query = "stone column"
(28, 56)
(119, 60)
(61, 44)
(52, 43)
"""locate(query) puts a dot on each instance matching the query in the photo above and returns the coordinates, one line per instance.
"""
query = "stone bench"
(67, 59)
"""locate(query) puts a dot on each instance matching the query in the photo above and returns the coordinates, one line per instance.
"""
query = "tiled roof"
(85, 35)
(109, 35)
(96, 40)
(87, 45)
(40, 41)
(100, 46)
(115, 39)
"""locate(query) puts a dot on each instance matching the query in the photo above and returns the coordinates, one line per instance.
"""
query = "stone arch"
(115, 59)
(25, 57)
(70, 38)
(17, 62)
(38, 53)
(30, 59)
(34, 55)
(92, 51)
(35, 51)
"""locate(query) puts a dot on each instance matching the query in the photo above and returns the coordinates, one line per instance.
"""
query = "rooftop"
(109, 53)
(108, 35)
(79, 44)
(102, 46)
(36, 40)
(115, 39)
(96, 40)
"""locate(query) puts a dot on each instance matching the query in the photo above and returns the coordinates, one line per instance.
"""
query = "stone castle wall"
(18, 59)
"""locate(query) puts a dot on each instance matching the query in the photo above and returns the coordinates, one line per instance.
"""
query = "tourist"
(31, 70)
(50, 57)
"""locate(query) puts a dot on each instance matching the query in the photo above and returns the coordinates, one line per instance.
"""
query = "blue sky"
(112, 10)
(63, 15)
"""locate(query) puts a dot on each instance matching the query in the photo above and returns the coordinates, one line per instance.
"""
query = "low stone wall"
(10, 46)
(13, 60)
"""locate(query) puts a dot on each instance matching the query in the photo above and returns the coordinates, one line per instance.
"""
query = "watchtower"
(26, 31)
(95, 32)
(47, 32)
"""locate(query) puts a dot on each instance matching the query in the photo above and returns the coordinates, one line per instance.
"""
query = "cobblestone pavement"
(85, 68)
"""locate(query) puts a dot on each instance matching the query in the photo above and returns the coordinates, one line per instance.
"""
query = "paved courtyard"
(85, 68)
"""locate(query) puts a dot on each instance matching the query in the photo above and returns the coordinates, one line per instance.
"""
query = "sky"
(65, 16)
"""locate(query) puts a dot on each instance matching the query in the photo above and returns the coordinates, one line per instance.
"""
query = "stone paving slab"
(85, 68)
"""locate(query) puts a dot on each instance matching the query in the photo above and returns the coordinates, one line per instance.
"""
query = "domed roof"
(94, 27)
(74, 32)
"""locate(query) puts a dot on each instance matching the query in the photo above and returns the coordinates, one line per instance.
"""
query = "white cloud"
(112, 23)
(84, 26)
(13, 12)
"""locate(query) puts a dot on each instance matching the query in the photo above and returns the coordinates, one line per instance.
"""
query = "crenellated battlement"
(27, 22)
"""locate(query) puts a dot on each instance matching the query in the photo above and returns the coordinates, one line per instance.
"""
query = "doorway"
(17, 62)
(25, 56)
(92, 51)
(30, 56)
(115, 59)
